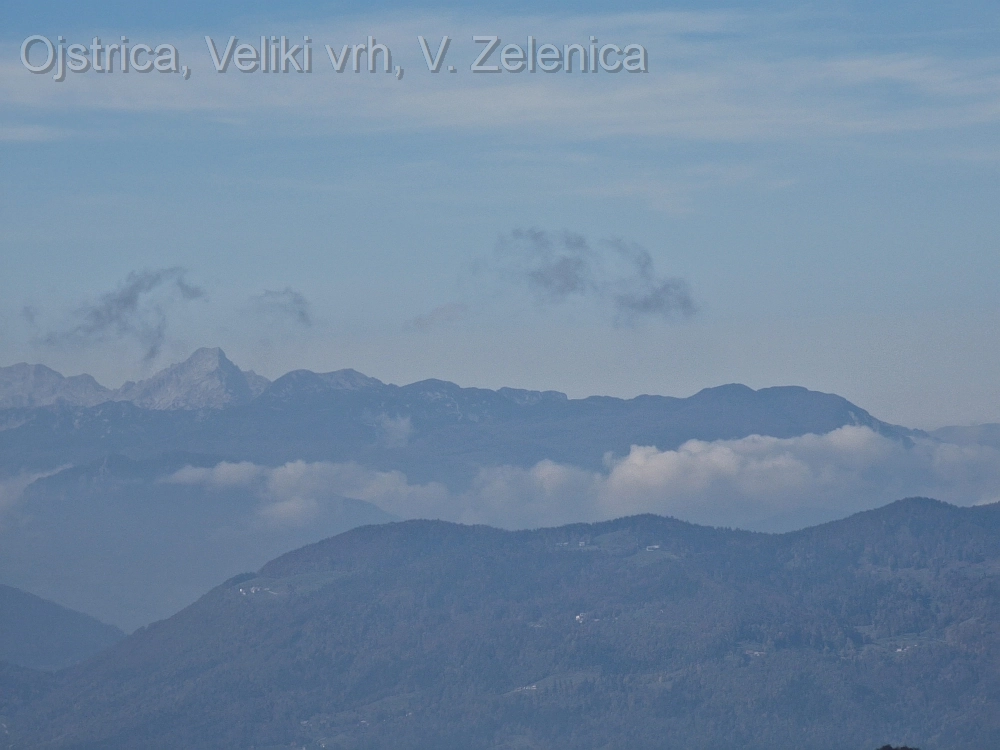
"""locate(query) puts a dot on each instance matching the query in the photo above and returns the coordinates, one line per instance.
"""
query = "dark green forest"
(644, 632)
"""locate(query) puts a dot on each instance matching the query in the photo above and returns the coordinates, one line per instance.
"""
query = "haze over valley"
(455, 375)
(128, 504)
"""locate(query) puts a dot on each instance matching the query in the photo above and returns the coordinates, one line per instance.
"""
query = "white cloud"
(223, 475)
(396, 431)
(753, 482)
(297, 491)
(12, 488)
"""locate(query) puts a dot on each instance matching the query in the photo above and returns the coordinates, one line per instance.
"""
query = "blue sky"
(821, 178)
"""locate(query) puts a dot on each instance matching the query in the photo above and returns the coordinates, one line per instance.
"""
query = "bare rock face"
(206, 380)
(28, 386)
(256, 382)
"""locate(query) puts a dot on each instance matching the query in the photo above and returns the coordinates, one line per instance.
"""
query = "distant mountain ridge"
(206, 380)
(27, 386)
(93, 487)
(209, 380)
(982, 434)
(431, 430)
(642, 632)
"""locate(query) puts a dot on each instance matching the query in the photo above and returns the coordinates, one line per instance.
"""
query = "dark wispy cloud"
(287, 304)
(640, 291)
(556, 267)
(136, 310)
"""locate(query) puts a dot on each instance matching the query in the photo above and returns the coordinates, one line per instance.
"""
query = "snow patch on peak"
(26, 386)
(205, 380)
(257, 383)
(349, 380)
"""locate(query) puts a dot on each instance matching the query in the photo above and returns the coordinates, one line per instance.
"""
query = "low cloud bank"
(755, 482)
(12, 490)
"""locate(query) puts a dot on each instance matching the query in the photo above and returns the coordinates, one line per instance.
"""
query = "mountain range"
(127, 504)
(206, 380)
(431, 430)
(100, 523)
(643, 632)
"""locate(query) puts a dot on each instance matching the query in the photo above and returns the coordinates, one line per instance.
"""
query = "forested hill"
(643, 632)
(40, 634)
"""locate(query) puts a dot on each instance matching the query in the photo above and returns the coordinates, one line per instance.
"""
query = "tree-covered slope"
(40, 634)
(643, 632)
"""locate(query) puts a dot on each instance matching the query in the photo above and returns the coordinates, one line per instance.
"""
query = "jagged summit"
(23, 385)
(208, 380)
(205, 380)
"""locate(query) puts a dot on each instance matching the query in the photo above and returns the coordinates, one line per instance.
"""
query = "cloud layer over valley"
(756, 482)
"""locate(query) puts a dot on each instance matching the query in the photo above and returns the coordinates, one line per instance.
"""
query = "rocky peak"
(205, 380)
(23, 385)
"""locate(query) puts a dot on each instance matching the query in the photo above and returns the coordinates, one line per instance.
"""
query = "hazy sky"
(793, 194)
